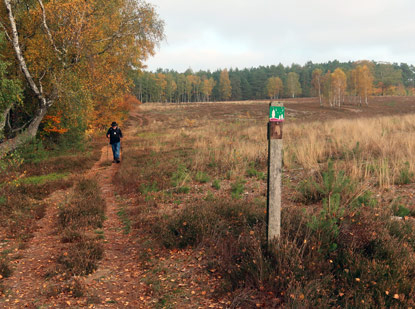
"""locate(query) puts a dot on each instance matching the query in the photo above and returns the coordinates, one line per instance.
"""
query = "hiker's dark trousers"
(116, 150)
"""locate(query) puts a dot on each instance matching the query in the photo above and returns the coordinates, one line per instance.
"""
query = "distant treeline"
(332, 80)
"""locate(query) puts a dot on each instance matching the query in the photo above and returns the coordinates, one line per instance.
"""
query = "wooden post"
(275, 126)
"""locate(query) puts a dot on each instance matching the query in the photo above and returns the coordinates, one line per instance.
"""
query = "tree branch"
(5, 31)
(19, 55)
(33, 126)
(45, 25)
(22, 127)
(4, 118)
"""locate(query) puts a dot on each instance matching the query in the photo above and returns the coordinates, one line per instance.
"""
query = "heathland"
(181, 221)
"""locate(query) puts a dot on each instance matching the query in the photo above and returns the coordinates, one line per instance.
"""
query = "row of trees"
(358, 83)
(65, 66)
(330, 81)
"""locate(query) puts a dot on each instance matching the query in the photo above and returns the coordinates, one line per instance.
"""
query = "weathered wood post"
(275, 124)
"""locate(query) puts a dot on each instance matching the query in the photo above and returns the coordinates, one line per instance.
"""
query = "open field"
(300, 109)
(198, 175)
(186, 207)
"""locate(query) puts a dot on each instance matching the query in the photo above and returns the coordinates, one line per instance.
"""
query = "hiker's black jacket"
(114, 134)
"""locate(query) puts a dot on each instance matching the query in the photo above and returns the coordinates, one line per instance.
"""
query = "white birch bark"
(32, 129)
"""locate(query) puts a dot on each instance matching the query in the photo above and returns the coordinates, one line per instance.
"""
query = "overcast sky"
(217, 34)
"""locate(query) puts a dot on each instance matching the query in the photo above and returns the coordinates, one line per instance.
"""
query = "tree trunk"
(33, 127)
(19, 55)
(4, 118)
(319, 92)
(26, 135)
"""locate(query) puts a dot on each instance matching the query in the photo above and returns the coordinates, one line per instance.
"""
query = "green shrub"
(365, 199)
(405, 176)
(324, 185)
(146, 188)
(333, 183)
(33, 151)
(251, 171)
(183, 190)
(181, 176)
(327, 222)
(400, 210)
(216, 184)
(202, 177)
(237, 188)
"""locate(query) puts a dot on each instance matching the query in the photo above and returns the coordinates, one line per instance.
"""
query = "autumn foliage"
(52, 123)
(79, 54)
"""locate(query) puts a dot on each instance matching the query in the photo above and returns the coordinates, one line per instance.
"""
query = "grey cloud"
(210, 34)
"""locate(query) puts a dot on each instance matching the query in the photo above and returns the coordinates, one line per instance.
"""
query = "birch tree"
(364, 82)
(316, 82)
(327, 88)
(274, 86)
(293, 84)
(45, 100)
(207, 88)
(225, 88)
(339, 84)
(89, 45)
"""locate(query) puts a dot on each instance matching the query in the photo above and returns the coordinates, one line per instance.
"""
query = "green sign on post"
(276, 113)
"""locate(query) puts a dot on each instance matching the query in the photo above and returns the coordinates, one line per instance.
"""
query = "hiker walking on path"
(114, 134)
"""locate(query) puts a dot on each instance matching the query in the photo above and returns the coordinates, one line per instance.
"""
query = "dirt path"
(120, 280)
(115, 283)
(27, 283)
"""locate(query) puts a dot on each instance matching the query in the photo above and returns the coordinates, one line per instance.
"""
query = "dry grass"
(374, 150)
(352, 231)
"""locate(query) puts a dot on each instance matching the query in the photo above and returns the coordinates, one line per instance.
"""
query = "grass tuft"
(5, 270)
(84, 211)
(202, 177)
(81, 258)
(237, 188)
(216, 184)
(405, 175)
